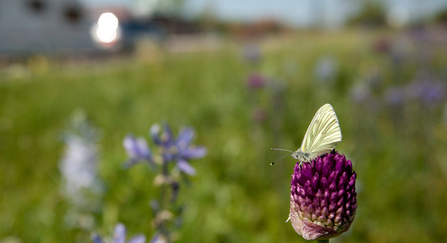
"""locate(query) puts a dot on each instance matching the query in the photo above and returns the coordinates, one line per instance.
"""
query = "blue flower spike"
(178, 150)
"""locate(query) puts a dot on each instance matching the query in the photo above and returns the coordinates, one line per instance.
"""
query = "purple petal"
(184, 166)
(136, 148)
(167, 133)
(185, 137)
(119, 235)
(96, 238)
(143, 148)
(137, 239)
(193, 153)
(129, 143)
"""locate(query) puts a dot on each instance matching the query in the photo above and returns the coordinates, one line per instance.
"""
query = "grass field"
(396, 141)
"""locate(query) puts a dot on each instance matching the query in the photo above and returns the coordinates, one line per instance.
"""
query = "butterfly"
(322, 135)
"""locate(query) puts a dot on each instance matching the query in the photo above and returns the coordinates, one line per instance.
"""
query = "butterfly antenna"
(281, 150)
(278, 159)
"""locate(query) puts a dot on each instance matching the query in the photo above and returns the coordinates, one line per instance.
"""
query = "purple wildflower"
(256, 81)
(119, 236)
(178, 150)
(323, 198)
(395, 96)
(137, 149)
(428, 91)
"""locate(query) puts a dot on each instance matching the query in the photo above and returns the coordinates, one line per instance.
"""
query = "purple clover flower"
(119, 236)
(137, 149)
(323, 200)
(178, 150)
(256, 81)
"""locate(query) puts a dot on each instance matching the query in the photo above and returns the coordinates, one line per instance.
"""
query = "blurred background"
(247, 75)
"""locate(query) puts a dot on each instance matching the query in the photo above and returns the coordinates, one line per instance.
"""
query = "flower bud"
(323, 199)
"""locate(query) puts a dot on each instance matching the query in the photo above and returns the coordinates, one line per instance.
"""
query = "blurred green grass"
(236, 196)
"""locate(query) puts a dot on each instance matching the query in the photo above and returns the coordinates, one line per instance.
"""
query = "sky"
(300, 13)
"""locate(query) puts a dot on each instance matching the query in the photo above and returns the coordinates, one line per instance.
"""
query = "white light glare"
(106, 31)
(108, 21)
(106, 36)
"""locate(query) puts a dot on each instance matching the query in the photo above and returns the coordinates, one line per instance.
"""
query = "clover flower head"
(137, 149)
(323, 198)
(119, 236)
(179, 150)
(256, 81)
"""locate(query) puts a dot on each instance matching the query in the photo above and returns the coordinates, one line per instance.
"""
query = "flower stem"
(323, 241)
(164, 187)
(161, 226)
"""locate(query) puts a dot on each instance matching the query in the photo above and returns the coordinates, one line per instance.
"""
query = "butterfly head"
(302, 156)
(299, 155)
(296, 154)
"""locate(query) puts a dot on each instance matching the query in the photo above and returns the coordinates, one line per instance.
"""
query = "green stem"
(323, 241)
(163, 191)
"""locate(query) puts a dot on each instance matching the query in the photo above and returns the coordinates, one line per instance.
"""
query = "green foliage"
(372, 15)
(441, 17)
(236, 196)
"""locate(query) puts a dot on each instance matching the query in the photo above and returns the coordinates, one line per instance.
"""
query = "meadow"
(388, 90)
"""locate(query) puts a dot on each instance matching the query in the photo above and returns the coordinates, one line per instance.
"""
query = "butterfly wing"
(323, 133)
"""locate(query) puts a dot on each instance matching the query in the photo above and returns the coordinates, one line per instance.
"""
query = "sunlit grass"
(236, 196)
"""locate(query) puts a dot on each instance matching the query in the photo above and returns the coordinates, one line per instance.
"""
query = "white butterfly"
(322, 135)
